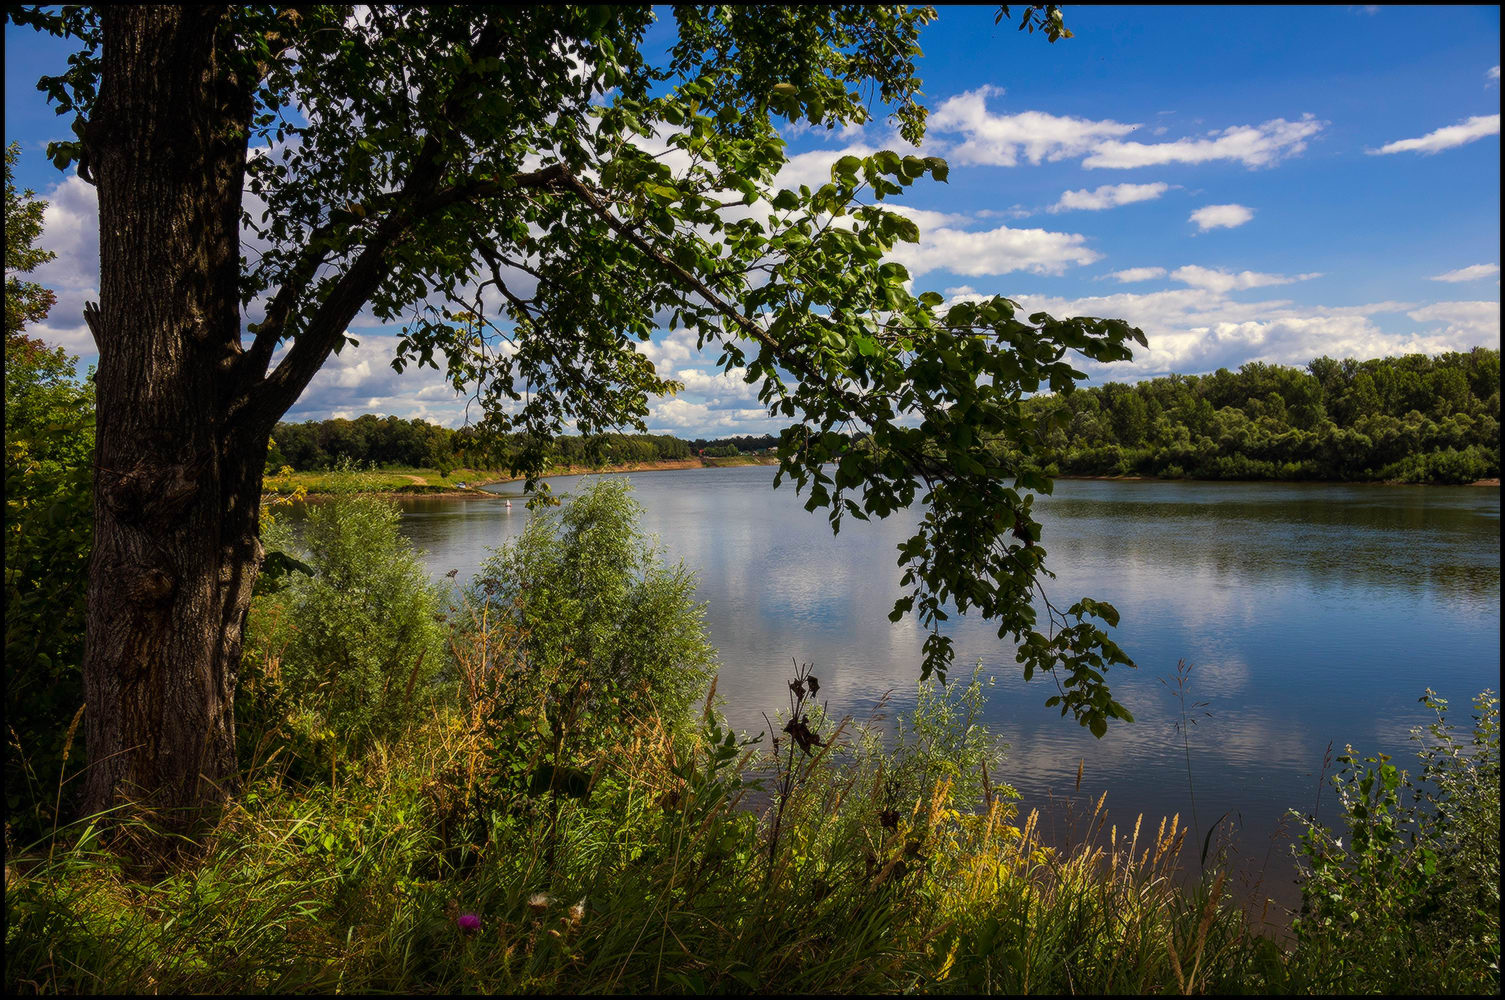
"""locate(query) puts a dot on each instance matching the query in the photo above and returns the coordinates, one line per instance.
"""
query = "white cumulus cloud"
(720, 387)
(687, 419)
(994, 251)
(672, 348)
(1472, 273)
(1002, 139)
(1199, 329)
(1251, 145)
(1221, 216)
(1138, 274)
(1477, 323)
(360, 379)
(70, 229)
(1221, 282)
(1108, 196)
(1446, 137)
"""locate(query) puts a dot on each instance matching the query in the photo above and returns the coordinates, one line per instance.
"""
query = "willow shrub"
(602, 618)
(347, 653)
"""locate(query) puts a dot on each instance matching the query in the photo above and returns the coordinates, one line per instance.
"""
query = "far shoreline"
(1495, 482)
(419, 488)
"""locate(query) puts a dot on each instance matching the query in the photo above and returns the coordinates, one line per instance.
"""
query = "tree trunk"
(177, 483)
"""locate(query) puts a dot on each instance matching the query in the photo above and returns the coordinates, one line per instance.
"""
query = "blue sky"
(1267, 184)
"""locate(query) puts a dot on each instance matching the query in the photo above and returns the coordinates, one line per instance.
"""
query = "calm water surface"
(1311, 614)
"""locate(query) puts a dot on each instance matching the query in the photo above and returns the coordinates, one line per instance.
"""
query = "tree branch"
(268, 398)
(271, 330)
(649, 250)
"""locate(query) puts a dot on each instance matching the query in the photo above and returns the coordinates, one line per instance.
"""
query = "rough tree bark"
(177, 481)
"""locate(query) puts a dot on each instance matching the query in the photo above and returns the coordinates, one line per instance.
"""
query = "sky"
(1243, 184)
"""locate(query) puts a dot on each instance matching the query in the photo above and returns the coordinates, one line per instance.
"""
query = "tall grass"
(658, 880)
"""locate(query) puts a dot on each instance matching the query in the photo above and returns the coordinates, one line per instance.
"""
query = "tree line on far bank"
(1412, 418)
(392, 441)
(416, 443)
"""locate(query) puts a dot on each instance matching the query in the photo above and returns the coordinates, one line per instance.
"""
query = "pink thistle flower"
(468, 922)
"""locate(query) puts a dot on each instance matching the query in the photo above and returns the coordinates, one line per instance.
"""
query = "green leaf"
(846, 168)
(786, 200)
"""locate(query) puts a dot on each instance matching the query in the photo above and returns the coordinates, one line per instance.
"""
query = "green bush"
(49, 531)
(574, 638)
(1412, 903)
(1447, 466)
(601, 616)
(349, 651)
(943, 739)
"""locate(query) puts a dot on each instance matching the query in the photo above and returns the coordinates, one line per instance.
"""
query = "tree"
(49, 436)
(25, 301)
(533, 194)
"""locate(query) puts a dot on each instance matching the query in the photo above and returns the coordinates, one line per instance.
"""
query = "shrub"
(574, 637)
(943, 739)
(600, 612)
(49, 530)
(350, 649)
(1412, 903)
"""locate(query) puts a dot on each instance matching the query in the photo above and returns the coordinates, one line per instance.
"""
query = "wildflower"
(538, 902)
(468, 922)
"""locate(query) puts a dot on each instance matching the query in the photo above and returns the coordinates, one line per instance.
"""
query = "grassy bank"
(404, 869)
(730, 461)
(403, 481)
(386, 878)
(531, 790)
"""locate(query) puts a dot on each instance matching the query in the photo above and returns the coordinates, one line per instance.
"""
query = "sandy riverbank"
(382, 483)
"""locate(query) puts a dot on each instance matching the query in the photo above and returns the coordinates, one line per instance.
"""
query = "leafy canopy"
(532, 191)
(25, 301)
